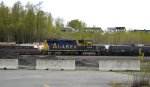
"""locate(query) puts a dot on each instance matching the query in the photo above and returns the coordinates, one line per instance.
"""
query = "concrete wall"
(8, 63)
(55, 64)
(119, 65)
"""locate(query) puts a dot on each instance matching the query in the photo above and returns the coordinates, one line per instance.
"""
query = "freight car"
(69, 47)
(123, 50)
(146, 50)
(20, 50)
(127, 50)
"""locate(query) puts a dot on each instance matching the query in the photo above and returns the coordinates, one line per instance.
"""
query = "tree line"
(27, 24)
(24, 24)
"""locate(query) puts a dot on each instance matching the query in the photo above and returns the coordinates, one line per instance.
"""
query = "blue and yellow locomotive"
(69, 47)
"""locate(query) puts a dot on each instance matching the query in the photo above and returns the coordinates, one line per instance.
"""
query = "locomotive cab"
(85, 43)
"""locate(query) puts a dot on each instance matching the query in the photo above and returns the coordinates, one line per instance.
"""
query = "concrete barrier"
(55, 64)
(119, 65)
(8, 63)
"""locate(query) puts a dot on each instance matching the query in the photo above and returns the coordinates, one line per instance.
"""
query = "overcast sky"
(100, 13)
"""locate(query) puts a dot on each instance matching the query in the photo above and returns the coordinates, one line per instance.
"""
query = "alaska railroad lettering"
(64, 46)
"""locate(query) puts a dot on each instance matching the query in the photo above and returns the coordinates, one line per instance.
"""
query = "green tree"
(49, 25)
(40, 25)
(30, 23)
(24, 25)
(40, 22)
(4, 22)
(17, 24)
(76, 24)
(59, 23)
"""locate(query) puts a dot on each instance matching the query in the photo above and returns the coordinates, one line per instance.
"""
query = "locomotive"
(69, 47)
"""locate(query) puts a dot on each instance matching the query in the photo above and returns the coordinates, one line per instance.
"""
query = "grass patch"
(141, 81)
(126, 70)
(119, 84)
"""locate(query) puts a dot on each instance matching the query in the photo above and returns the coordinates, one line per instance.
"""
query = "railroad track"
(102, 57)
(91, 57)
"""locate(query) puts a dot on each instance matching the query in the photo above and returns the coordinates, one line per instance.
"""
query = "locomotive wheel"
(88, 53)
(84, 53)
(49, 53)
(94, 54)
(57, 53)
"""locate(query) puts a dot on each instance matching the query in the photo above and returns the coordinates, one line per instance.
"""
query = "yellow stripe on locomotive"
(46, 46)
(55, 46)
